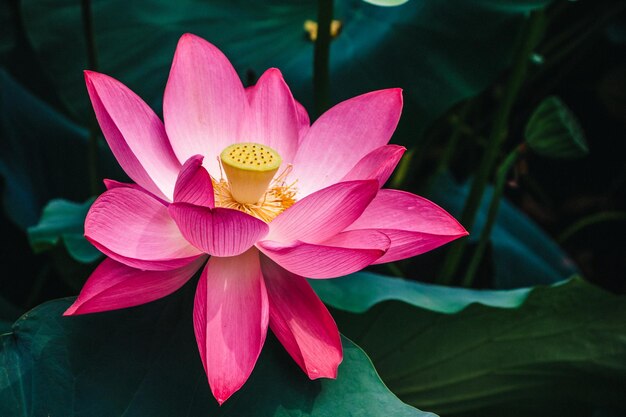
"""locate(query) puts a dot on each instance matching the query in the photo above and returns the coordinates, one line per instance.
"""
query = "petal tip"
(95, 76)
(187, 36)
(330, 372)
(73, 309)
(273, 71)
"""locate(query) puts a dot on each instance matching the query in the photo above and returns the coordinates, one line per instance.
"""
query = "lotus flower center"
(250, 185)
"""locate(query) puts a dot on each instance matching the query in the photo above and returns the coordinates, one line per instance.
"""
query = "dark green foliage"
(63, 220)
(554, 132)
(562, 352)
(143, 362)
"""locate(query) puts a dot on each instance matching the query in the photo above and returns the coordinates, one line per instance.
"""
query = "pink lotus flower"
(240, 174)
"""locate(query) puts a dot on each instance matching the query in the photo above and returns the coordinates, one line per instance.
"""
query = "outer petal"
(194, 184)
(204, 105)
(323, 214)
(301, 322)
(134, 133)
(230, 320)
(273, 118)
(343, 135)
(343, 254)
(134, 228)
(219, 231)
(114, 285)
(378, 164)
(414, 224)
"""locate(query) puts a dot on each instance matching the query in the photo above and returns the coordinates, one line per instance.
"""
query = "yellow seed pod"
(249, 168)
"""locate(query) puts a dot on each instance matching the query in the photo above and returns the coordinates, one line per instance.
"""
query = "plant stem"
(492, 214)
(604, 216)
(321, 57)
(92, 63)
(459, 122)
(531, 35)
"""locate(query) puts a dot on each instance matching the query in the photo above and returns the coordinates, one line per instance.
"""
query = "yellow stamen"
(249, 168)
(278, 197)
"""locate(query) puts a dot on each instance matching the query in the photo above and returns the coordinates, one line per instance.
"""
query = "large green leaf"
(439, 52)
(521, 250)
(43, 155)
(561, 352)
(63, 220)
(143, 362)
(361, 291)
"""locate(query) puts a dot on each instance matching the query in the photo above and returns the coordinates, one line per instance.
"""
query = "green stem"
(321, 57)
(605, 216)
(453, 141)
(531, 35)
(494, 206)
(92, 63)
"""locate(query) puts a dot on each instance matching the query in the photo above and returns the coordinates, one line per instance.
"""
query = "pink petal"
(134, 133)
(343, 254)
(301, 322)
(273, 118)
(194, 184)
(414, 224)
(204, 105)
(219, 231)
(304, 123)
(324, 213)
(343, 135)
(135, 229)
(378, 164)
(114, 285)
(230, 320)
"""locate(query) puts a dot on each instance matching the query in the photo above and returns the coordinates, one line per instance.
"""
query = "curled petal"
(302, 322)
(343, 254)
(204, 105)
(194, 184)
(273, 118)
(135, 229)
(324, 213)
(343, 135)
(134, 133)
(378, 164)
(230, 320)
(114, 285)
(414, 224)
(219, 231)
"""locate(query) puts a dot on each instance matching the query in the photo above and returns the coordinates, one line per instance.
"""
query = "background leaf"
(144, 362)
(462, 46)
(554, 132)
(64, 220)
(562, 352)
(42, 154)
(359, 292)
